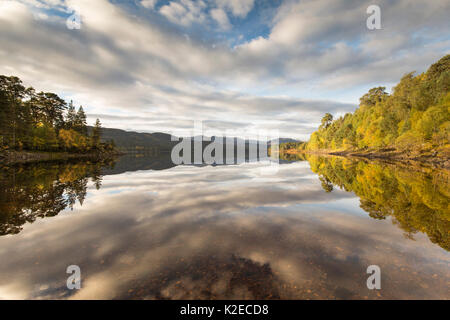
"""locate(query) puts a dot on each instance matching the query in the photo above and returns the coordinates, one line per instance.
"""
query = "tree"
(44, 138)
(49, 108)
(80, 122)
(5, 118)
(96, 134)
(33, 121)
(327, 185)
(72, 140)
(71, 116)
(12, 93)
(373, 96)
(416, 200)
(326, 120)
(414, 117)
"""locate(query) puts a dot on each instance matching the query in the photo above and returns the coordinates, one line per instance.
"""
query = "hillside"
(149, 142)
(412, 122)
(137, 141)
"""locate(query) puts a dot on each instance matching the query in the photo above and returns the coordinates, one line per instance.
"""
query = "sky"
(160, 65)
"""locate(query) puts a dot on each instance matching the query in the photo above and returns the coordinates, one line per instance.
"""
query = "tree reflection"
(31, 191)
(416, 198)
(327, 185)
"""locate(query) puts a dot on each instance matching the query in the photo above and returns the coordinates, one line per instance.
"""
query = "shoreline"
(432, 159)
(19, 157)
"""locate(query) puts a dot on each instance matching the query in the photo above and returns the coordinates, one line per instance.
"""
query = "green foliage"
(42, 121)
(374, 96)
(33, 191)
(80, 121)
(96, 133)
(12, 115)
(416, 116)
(48, 108)
(44, 138)
(71, 117)
(326, 120)
(417, 201)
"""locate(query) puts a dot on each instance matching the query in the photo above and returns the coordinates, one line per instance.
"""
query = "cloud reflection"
(218, 233)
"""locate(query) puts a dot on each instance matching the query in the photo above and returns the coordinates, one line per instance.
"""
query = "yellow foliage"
(72, 140)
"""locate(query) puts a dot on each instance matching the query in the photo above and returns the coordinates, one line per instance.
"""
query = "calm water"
(143, 228)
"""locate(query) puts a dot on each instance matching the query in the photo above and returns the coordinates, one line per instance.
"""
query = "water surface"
(143, 228)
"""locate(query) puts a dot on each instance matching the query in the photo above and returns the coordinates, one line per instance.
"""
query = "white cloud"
(221, 17)
(120, 251)
(184, 12)
(188, 12)
(239, 8)
(118, 63)
(327, 39)
(149, 4)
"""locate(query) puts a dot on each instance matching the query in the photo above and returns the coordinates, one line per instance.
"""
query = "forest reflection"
(31, 191)
(417, 200)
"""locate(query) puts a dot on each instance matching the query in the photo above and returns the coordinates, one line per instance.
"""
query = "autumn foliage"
(415, 117)
(42, 121)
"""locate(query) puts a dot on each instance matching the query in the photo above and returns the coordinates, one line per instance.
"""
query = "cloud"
(331, 39)
(188, 12)
(218, 232)
(149, 4)
(184, 12)
(239, 8)
(316, 57)
(221, 17)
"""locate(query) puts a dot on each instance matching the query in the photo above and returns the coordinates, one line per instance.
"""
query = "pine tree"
(96, 134)
(326, 120)
(39, 121)
(5, 120)
(71, 116)
(80, 121)
(49, 108)
(12, 93)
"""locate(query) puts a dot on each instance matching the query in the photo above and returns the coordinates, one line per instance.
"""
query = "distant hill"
(137, 141)
(129, 141)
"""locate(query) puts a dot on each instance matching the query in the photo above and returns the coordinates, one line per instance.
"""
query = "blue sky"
(238, 64)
